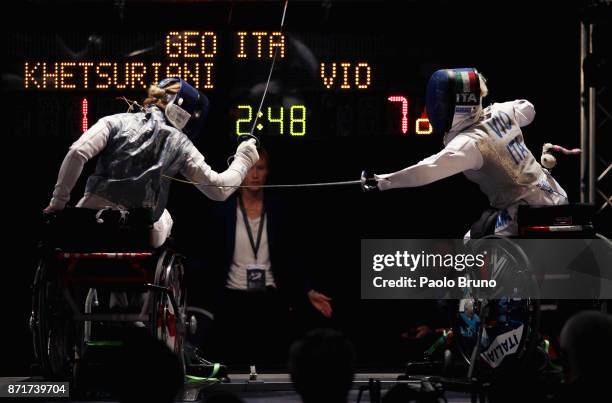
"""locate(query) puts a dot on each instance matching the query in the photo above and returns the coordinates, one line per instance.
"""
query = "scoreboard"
(323, 83)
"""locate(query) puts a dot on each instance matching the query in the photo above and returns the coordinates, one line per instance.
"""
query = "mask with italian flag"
(453, 99)
(468, 102)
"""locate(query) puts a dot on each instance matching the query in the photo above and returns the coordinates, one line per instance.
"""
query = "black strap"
(254, 244)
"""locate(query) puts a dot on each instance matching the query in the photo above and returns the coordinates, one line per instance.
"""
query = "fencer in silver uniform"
(487, 145)
(138, 152)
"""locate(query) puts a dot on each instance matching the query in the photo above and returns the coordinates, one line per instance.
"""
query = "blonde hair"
(160, 96)
(484, 90)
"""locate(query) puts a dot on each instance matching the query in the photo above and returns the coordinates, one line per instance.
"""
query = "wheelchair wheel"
(168, 313)
(504, 322)
(53, 331)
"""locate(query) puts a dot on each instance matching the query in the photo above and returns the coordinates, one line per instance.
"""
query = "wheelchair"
(92, 263)
(499, 332)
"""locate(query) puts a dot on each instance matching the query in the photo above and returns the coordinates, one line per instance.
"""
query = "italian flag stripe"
(473, 81)
(465, 81)
(458, 82)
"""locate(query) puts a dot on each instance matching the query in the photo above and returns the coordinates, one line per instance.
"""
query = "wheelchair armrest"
(87, 230)
(567, 219)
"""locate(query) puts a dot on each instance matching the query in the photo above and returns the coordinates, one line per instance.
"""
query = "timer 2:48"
(272, 116)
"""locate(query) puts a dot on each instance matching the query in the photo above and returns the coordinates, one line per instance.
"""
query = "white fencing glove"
(247, 152)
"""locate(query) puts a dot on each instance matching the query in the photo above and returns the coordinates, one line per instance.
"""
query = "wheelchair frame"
(61, 321)
(556, 220)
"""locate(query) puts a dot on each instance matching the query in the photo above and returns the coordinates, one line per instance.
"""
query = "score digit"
(278, 120)
(423, 126)
(404, 102)
(84, 115)
(244, 120)
(297, 121)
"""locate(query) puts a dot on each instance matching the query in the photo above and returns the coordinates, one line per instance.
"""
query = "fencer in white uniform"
(138, 152)
(486, 145)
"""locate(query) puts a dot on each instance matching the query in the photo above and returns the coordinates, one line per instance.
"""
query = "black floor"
(270, 388)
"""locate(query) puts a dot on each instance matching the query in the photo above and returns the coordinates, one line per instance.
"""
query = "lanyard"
(254, 244)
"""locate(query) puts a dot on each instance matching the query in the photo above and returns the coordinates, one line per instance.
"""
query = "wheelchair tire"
(504, 315)
(52, 330)
(166, 324)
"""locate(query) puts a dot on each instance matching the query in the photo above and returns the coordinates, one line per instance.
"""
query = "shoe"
(196, 365)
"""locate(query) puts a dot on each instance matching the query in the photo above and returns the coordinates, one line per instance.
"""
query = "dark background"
(526, 50)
